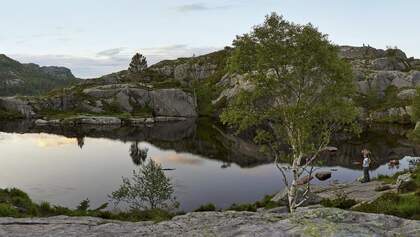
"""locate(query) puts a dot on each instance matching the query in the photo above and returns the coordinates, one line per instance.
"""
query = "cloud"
(111, 60)
(110, 52)
(199, 7)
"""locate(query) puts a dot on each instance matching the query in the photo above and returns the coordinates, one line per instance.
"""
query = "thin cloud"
(112, 60)
(110, 52)
(199, 7)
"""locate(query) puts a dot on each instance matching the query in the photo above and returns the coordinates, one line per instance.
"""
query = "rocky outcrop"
(305, 222)
(378, 73)
(17, 105)
(116, 98)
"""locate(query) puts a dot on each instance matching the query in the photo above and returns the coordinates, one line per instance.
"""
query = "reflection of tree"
(137, 154)
(81, 142)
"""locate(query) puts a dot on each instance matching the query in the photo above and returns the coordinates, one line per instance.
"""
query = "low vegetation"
(341, 201)
(405, 203)
(16, 203)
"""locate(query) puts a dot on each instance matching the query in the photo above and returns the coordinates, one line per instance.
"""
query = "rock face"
(306, 222)
(114, 98)
(377, 73)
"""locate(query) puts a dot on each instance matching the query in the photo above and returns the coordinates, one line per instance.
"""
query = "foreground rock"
(360, 192)
(307, 222)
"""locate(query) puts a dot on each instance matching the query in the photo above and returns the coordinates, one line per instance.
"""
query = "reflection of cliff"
(385, 144)
(184, 136)
(205, 139)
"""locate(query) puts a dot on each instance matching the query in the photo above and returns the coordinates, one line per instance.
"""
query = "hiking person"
(365, 165)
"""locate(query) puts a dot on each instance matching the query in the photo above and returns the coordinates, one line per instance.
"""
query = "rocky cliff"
(186, 87)
(31, 79)
(385, 80)
(306, 222)
(120, 100)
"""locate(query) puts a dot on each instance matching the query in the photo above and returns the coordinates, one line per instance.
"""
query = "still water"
(66, 166)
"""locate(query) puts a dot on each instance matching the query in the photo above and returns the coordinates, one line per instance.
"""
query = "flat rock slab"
(306, 222)
(361, 192)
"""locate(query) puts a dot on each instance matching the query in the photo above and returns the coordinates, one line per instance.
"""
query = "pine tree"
(138, 63)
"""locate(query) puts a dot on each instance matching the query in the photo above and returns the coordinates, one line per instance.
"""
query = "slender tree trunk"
(293, 190)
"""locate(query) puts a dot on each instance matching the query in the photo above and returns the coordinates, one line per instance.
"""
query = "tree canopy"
(138, 63)
(301, 90)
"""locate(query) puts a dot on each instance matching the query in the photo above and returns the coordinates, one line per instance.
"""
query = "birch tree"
(301, 95)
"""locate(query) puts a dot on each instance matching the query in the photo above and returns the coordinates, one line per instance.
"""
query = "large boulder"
(173, 103)
(407, 94)
(15, 104)
(323, 175)
(405, 183)
(388, 64)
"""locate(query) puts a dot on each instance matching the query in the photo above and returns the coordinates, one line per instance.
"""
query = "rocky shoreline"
(310, 221)
(106, 121)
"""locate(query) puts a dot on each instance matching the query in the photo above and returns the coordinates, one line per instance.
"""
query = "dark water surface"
(66, 165)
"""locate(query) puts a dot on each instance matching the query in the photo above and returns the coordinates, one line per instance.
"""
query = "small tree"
(300, 96)
(138, 64)
(148, 188)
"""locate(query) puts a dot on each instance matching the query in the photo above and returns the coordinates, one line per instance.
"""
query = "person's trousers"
(366, 177)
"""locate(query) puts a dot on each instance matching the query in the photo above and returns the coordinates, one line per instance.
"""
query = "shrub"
(243, 207)
(6, 210)
(266, 203)
(406, 206)
(206, 207)
(148, 188)
(341, 201)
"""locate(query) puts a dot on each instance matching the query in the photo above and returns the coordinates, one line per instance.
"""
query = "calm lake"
(66, 165)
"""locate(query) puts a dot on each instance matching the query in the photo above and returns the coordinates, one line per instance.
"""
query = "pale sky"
(96, 37)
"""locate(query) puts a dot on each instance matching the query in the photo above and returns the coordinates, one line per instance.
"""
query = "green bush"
(341, 201)
(406, 206)
(206, 207)
(243, 207)
(6, 210)
(16, 203)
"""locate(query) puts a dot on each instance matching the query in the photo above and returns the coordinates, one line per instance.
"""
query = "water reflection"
(67, 165)
(138, 155)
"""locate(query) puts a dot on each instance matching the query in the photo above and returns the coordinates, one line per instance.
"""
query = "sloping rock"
(407, 94)
(360, 192)
(172, 103)
(305, 222)
(15, 104)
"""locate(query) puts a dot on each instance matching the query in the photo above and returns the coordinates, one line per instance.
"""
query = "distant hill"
(31, 79)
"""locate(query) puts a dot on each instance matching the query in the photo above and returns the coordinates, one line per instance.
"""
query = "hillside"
(31, 79)
(385, 81)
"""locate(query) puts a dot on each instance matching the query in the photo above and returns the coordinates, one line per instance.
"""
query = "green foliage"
(341, 201)
(148, 188)
(84, 205)
(206, 207)
(406, 206)
(243, 207)
(302, 90)
(416, 106)
(265, 203)
(6, 115)
(16, 203)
